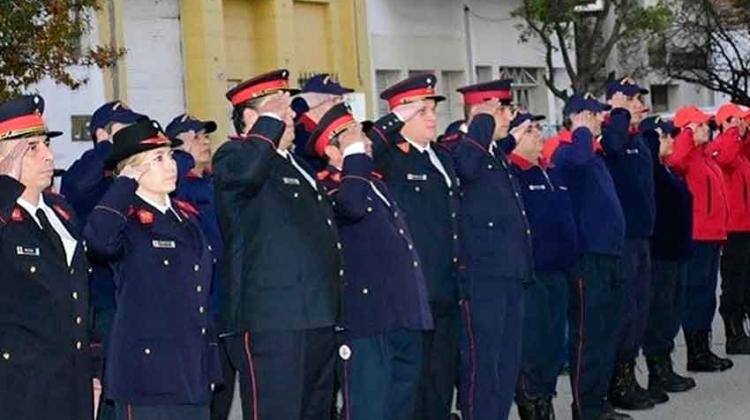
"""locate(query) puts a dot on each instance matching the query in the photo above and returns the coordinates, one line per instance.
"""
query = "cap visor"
(126, 117)
(209, 127)
(51, 134)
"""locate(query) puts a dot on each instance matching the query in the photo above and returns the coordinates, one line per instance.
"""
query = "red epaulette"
(145, 216)
(376, 175)
(16, 215)
(404, 147)
(449, 138)
(61, 212)
(186, 208)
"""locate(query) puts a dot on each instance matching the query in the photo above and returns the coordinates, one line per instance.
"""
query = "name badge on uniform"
(537, 187)
(631, 151)
(30, 252)
(290, 181)
(416, 177)
(164, 244)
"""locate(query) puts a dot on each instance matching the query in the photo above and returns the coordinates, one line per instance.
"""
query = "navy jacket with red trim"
(378, 297)
(596, 206)
(496, 236)
(631, 165)
(432, 206)
(281, 265)
(550, 212)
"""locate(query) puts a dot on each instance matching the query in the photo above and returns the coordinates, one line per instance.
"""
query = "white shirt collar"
(163, 208)
(463, 128)
(419, 147)
(68, 241)
(283, 153)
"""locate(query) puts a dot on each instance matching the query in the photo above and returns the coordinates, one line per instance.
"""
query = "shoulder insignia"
(145, 217)
(17, 215)
(404, 147)
(186, 207)
(61, 212)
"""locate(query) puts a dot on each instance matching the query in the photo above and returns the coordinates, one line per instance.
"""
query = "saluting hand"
(486, 107)
(12, 164)
(278, 104)
(407, 111)
(519, 131)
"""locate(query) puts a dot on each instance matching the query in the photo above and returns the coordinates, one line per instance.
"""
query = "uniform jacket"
(83, 185)
(281, 260)
(550, 213)
(673, 230)
(706, 182)
(422, 193)
(496, 234)
(731, 153)
(44, 353)
(631, 165)
(199, 192)
(162, 346)
(384, 288)
(596, 207)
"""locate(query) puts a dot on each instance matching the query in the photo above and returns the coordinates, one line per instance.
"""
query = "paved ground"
(718, 396)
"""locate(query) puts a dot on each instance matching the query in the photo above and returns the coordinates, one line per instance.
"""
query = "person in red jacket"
(695, 159)
(731, 152)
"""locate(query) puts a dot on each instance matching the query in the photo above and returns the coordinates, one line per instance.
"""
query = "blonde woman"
(162, 353)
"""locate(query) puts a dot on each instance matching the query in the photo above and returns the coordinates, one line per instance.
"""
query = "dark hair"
(567, 123)
(238, 112)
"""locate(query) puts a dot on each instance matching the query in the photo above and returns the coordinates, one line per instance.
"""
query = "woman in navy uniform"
(386, 306)
(44, 352)
(163, 357)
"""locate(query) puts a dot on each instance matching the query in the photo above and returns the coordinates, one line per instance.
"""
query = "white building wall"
(431, 35)
(154, 75)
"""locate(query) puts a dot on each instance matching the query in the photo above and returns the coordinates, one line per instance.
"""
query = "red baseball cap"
(690, 114)
(731, 110)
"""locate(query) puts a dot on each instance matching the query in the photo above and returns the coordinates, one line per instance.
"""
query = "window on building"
(452, 108)
(527, 86)
(383, 79)
(80, 127)
(483, 73)
(660, 98)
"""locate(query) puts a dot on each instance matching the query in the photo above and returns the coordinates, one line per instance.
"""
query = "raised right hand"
(12, 164)
(135, 172)
(278, 104)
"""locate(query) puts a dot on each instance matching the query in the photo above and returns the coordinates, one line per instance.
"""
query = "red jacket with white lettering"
(732, 156)
(706, 182)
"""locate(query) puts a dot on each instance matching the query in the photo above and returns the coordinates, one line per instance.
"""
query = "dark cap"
(626, 86)
(115, 111)
(415, 88)
(487, 91)
(260, 86)
(22, 118)
(333, 122)
(186, 122)
(584, 102)
(522, 117)
(324, 83)
(142, 136)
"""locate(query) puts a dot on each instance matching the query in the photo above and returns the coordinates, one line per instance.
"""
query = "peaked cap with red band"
(141, 136)
(22, 118)
(333, 122)
(415, 88)
(487, 91)
(260, 86)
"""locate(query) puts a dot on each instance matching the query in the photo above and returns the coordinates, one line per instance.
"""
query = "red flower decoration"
(16, 215)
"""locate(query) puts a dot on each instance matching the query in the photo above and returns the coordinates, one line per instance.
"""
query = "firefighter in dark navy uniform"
(386, 305)
(44, 351)
(281, 262)
(163, 359)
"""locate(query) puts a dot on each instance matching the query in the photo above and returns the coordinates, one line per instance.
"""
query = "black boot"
(613, 415)
(624, 391)
(546, 409)
(700, 356)
(737, 341)
(531, 408)
(662, 376)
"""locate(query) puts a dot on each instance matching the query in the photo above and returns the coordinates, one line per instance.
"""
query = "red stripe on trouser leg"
(253, 385)
(472, 361)
(580, 342)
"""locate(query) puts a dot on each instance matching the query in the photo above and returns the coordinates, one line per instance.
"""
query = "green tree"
(585, 33)
(42, 38)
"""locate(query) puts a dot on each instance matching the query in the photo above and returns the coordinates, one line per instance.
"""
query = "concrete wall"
(431, 35)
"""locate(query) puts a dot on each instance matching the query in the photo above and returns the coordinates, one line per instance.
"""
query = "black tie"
(50, 232)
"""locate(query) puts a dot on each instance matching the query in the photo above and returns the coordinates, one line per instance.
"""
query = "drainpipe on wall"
(470, 72)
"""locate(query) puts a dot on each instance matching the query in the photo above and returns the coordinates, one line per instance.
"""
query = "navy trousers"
(161, 412)
(490, 347)
(544, 335)
(221, 403)
(700, 287)
(381, 376)
(735, 274)
(440, 363)
(285, 375)
(667, 302)
(595, 301)
(636, 273)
